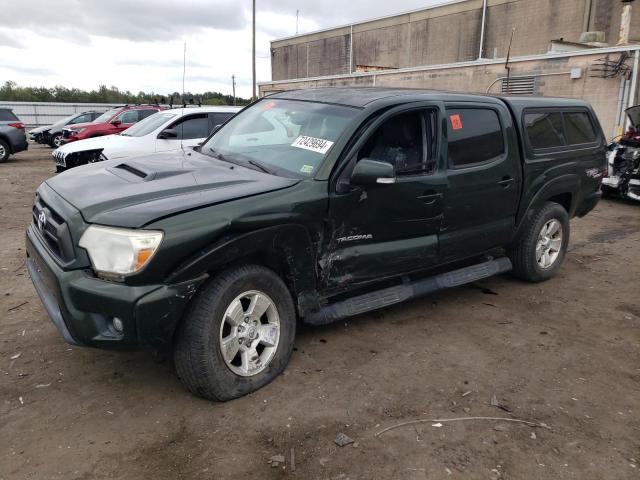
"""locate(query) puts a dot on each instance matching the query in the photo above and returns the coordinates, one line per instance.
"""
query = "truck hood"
(135, 192)
(110, 144)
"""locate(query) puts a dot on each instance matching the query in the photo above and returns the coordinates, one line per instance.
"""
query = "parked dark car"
(13, 138)
(52, 134)
(363, 199)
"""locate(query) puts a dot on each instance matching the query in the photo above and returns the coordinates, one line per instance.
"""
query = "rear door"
(485, 176)
(386, 230)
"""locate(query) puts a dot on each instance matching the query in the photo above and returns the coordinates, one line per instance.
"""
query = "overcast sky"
(138, 44)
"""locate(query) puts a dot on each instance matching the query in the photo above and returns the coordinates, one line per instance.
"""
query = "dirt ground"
(564, 353)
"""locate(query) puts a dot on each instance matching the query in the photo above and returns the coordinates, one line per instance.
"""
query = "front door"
(190, 130)
(387, 229)
(485, 177)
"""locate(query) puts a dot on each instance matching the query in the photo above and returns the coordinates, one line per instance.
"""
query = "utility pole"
(233, 84)
(253, 97)
(297, 16)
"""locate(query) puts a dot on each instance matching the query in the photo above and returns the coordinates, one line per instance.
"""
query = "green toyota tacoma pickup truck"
(314, 205)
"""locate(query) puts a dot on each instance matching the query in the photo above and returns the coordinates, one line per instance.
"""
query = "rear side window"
(544, 129)
(7, 116)
(146, 113)
(578, 128)
(559, 129)
(474, 136)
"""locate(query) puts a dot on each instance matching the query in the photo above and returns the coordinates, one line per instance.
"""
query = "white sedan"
(164, 131)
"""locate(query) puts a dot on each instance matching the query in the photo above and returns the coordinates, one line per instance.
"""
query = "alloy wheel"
(549, 243)
(249, 333)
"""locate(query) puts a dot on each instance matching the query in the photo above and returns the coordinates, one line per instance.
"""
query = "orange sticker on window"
(456, 122)
(268, 106)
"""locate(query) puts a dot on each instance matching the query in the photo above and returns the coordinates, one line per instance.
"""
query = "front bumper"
(82, 306)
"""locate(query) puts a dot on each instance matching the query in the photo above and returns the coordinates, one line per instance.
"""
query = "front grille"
(53, 230)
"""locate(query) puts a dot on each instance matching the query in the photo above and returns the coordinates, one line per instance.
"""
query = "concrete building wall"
(552, 79)
(447, 34)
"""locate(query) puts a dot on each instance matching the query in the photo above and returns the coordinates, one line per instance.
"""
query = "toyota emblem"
(42, 220)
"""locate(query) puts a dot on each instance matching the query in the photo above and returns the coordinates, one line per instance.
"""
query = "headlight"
(77, 131)
(118, 251)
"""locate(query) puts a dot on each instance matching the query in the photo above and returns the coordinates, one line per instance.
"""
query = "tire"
(55, 141)
(198, 353)
(528, 264)
(4, 151)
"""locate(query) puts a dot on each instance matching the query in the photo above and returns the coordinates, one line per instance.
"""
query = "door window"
(400, 141)
(474, 136)
(130, 116)
(216, 119)
(192, 126)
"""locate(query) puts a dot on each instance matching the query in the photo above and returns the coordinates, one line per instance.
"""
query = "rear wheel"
(541, 249)
(4, 151)
(238, 334)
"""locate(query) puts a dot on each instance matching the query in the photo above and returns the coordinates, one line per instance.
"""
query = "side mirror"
(168, 133)
(116, 122)
(370, 172)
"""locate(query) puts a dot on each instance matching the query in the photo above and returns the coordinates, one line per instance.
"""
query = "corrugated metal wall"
(35, 114)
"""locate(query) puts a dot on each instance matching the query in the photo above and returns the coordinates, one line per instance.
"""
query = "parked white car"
(164, 131)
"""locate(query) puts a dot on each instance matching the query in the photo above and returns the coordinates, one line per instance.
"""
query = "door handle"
(430, 198)
(505, 182)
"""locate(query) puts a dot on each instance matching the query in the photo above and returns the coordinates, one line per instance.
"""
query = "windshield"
(148, 125)
(106, 115)
(284, 136)
(65, 120)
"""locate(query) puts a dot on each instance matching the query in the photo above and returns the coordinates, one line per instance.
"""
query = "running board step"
(392, 295)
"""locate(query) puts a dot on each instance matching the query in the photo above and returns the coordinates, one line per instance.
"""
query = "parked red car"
(112, 121)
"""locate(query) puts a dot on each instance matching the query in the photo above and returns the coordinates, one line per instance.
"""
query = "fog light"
(117, 325)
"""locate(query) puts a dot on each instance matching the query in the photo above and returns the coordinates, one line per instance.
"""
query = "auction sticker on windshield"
(318, 145)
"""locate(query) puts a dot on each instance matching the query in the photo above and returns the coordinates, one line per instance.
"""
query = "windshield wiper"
(261, 166)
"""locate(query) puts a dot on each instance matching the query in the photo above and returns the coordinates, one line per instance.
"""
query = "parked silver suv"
(13, 138)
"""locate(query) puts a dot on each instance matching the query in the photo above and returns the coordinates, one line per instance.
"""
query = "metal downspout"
(634, 83)
(351, 50)
(586, 22)
(616, 122)
(484, 16)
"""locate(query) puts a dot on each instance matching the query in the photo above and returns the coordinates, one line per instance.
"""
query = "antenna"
(184, 73)
(297, 16)
(506, 63)
(253, 52)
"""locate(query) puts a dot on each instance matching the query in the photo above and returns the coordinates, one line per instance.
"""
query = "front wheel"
(56, 141)
(540, 251)
(237, 335)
